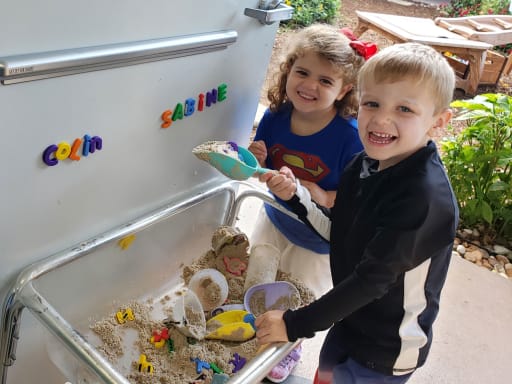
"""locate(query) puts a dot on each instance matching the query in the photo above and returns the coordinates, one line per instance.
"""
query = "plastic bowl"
(211, 287)
(280, 295)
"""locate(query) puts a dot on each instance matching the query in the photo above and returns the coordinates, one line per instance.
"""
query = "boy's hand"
(282, 184)
(271, 327)
(259, 150)
(319, 195)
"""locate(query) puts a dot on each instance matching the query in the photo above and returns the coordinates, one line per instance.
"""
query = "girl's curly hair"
(328, 42)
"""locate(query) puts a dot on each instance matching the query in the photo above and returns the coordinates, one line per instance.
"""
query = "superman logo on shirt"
(304, 165)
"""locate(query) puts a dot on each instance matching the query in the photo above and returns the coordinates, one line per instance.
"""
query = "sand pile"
(169, 356)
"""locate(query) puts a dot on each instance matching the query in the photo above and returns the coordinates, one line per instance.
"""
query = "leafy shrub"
(307, 12)
(460, 8)
(479, 162)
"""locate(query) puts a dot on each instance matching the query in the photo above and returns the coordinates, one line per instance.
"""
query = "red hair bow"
(364, 49)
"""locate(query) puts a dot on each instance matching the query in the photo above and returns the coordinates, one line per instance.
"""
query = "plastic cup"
(263, 264)
(188, 315)
(211, 287)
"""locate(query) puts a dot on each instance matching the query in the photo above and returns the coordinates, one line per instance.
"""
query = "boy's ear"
(442, 119)
(344, 90)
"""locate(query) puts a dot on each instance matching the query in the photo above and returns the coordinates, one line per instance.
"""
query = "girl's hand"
(259, 150)
(271, 327)
(319, 195)
(282, 184)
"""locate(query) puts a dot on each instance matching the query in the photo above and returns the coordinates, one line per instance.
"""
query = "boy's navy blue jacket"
(391, 235)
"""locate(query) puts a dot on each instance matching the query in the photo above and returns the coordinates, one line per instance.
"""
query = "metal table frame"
(23, 293)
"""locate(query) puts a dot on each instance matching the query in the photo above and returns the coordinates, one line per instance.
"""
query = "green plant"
(459, 8)
(479, 162)
(495, 7)
(307, 12)
(505, 49)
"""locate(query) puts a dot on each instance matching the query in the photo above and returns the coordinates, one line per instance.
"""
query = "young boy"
(391, 229)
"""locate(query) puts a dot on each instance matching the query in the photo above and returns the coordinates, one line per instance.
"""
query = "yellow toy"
(126, 241)
(159, 338)
(230, 325)
(123, 316)
(144, 366)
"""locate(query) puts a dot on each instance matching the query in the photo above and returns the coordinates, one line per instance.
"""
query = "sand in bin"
(210, 286)
(258, 304)
(211, 289)
(176, 367)
(195, 321)
(169, 367)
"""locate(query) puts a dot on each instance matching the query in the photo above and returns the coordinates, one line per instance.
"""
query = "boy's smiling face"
(395, 119)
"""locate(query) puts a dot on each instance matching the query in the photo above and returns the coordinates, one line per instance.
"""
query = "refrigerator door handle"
(42, 65)
(270, 12)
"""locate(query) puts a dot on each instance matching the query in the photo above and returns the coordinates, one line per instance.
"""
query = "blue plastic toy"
(242, 168)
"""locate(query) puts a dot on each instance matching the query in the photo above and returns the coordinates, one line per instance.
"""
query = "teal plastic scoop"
(232, 160)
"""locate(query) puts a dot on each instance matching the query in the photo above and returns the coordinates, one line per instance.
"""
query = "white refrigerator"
(101, 103)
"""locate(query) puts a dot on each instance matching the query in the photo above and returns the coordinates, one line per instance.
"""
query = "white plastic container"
(263, 264)
(188, 315)
(211, 287)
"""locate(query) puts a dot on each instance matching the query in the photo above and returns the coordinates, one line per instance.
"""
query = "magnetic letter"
(223, 89)
(167, 119)
(190, 106)
(87, 145)
(73, 155)
(211, 97)
(200, 104)
(178, 112)
(46, 155)
(63, 151)
(96, 144)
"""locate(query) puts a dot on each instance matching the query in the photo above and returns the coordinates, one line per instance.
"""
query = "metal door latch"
(270, 11)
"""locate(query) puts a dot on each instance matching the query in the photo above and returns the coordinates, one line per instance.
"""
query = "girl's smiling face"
(395, 119)
(313, 84)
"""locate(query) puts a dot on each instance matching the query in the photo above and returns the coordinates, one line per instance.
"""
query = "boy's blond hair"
(413, 61)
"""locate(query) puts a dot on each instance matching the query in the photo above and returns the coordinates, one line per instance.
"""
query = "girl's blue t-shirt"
(319, 158)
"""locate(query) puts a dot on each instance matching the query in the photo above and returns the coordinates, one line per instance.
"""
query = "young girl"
(309, 128)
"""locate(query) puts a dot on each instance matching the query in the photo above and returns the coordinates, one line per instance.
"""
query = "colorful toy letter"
(144, 366)
(123, 315)
(158, 339)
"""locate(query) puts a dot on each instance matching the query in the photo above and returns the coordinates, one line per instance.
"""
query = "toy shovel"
(232, 160)
(233, 325)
